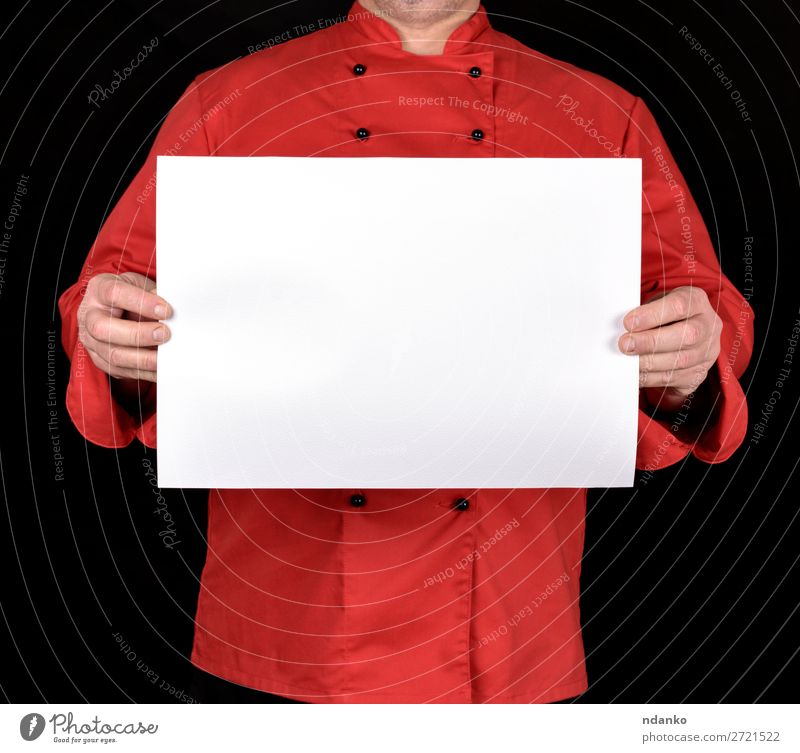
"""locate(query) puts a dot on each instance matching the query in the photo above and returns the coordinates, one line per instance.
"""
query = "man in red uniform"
(455, 595)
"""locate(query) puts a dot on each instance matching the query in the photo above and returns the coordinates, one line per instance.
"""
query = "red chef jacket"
(362, 595)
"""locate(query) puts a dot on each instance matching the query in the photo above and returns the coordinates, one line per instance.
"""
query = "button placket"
(480, 74)
(359, 69)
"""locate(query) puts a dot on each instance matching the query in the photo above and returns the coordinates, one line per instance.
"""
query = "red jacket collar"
(377, 29)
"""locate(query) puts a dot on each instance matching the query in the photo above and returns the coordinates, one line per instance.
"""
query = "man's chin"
(417, 13)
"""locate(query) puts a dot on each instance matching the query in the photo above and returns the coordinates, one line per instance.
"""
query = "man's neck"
(423, 30)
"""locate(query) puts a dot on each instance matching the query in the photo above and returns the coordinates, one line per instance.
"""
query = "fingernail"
(634, 322)
(159, 334)
(630, 345)
(160, 311)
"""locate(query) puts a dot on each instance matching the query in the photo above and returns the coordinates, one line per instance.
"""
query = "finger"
(687, 379)
(676, 305)
(121, 294)
(134, 317)
(121, 372)
(673, 337)
(110, 330)
(116, 357)
(142, 376)
(680, 359)
(140, 281)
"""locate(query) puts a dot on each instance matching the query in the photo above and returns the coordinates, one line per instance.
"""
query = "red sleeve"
(126, 243)
(676, 251)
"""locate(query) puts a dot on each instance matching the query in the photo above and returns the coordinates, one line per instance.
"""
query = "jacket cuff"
(667, 438)
(723, 436)
(96, 413)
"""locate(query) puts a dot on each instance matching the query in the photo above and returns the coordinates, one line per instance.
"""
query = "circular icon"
(31, 726)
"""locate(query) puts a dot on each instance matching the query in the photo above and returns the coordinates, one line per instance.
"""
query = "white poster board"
(397, 323)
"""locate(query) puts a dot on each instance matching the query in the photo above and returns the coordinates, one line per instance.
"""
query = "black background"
(689, 580)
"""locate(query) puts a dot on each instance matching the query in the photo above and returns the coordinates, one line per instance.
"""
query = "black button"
(475, 72)
(461, 504)
(477, 134)
(362, 133)
(359, 69)
(358, 500)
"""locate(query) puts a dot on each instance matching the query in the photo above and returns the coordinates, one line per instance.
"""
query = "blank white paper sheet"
(422, 323)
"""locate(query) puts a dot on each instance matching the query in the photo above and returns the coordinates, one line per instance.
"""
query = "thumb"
(140, 281)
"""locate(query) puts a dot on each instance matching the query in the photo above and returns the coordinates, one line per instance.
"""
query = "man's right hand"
(118, 323)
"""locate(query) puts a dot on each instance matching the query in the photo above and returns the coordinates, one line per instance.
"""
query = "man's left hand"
(677, 339)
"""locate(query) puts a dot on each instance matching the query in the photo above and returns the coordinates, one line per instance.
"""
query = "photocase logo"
(31, 726)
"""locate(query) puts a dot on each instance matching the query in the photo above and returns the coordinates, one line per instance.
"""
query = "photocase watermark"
(321, 23)
(168, 534)
(102, 93)
(79, 356)
(717, 69)
(65, 724)
(9, 223)
(745, 312)
(475, 554)
(747, 288)
(524, 612)
(679, 418)
(569, 107)
(767, 410)
(488, 109)
(186, 136)
(679, 199)
(52, 406)
(31, 726)
(150, 674)
(268, 44)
